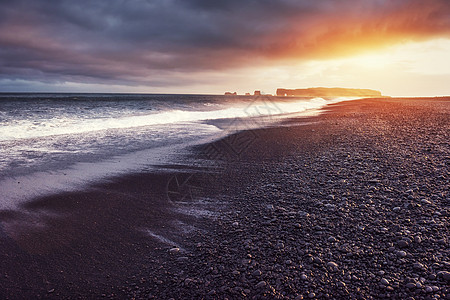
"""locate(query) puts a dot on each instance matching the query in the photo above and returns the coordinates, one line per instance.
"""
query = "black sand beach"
(353, 203)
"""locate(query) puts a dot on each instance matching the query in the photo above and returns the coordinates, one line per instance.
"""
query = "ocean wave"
(78, 124)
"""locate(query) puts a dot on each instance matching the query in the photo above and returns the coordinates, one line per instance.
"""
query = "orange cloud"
(359, 28)
(152, 43)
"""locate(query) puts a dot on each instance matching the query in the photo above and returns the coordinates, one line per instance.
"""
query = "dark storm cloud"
(136, 42)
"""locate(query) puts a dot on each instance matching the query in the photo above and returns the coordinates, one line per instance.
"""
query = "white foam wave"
(26, 129)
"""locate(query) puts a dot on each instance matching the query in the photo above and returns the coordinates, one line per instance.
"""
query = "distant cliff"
(329, 92)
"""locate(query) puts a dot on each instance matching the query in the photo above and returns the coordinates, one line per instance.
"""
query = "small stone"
(396, 209)
(401, 253)
(332, 265)
(257, 273)
(235, 224)
(417, 239)
(411, 285)
(340, 284)
(403, 243)
(330, 206)
(303, 277)
(261, 284)
(235, 272)
(317, 260)
(50, 291)
(183, 258)
(311, 295)
(444, 274)
(384, 281)
(428, 289)
(174, 250)
(303, 214)
(418, 266)
(332, 239)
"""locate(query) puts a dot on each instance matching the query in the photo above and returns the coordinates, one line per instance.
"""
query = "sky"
(400, 47)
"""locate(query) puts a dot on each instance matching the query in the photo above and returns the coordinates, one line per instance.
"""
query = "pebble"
(411, 285)
(235, 224)
(311, 295)
(403, 243)
(317, 260)
(332, 265)
(261, 284)
(303, 277)
(183, 258)
(330, 206)
(444, 274)
(332, 239)
(174, 250)
(384, 281)
(401, 253)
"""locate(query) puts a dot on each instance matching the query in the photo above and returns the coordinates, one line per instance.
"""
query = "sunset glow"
(401, 47)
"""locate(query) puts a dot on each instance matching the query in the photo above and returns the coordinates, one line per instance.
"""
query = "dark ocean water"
(55, 142)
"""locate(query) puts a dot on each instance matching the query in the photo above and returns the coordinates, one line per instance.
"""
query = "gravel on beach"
(353, 204)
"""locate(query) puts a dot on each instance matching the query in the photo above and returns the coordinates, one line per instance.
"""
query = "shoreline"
(315, 210)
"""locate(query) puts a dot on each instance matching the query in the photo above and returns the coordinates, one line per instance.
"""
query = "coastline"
(353, 203)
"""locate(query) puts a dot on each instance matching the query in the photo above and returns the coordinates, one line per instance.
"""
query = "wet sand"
(353, 203)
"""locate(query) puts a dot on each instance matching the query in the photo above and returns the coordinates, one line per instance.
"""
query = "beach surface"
(352, 203)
